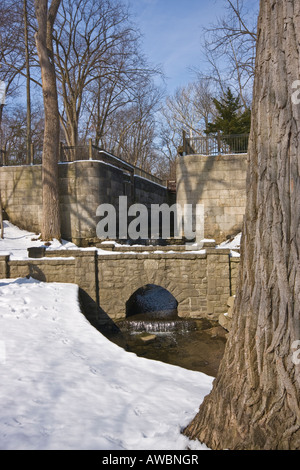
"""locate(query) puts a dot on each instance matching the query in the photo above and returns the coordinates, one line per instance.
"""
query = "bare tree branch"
(230, 47)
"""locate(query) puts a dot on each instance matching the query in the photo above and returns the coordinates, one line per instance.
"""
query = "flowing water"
(141, 323)
(192, 344)
(152, 329)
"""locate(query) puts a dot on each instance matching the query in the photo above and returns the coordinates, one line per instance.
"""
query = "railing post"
(61, 152)
(90, 149)
(31, 154)
(219, 142)
(184, 143)
(4, 159)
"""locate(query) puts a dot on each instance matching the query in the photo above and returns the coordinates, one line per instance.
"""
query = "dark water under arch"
(151, 311)
(153, 302)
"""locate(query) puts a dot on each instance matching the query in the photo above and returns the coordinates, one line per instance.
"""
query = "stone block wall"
(47, 270)
(21, 192)
(200, 281)
(147, 192)
(219, 183)
(4, 272)
(83, 186)
(65, 266)
(83, 268)
(183, 275)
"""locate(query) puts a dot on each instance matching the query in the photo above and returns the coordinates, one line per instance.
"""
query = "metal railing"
(2, 157)
(215, 144)
(11, 157)
(92, 152)
(74, 153)
(69, 154)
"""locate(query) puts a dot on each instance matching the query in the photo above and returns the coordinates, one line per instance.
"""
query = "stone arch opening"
(152, 302)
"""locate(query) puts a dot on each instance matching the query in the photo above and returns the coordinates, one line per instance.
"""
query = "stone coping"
(70, 253)
(107, 246)
(170, 253)
(153, 255)
(50, 260)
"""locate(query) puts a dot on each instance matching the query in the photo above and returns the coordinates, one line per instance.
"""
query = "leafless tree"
(181, 111)
(202, 100)
(14, 131)
(130, 130)
(98, 63)
(51, 213)
(10, 35)
(189, 109)
(230, 49)
(11, 40)
(28, 85)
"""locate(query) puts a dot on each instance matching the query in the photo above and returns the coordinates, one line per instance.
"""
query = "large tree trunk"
(1, 163)
(1, 218)
(51, 213)
(254, 403)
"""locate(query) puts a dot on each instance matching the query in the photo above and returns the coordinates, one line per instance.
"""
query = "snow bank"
(65, 386)
(17, 241)
(233, 244)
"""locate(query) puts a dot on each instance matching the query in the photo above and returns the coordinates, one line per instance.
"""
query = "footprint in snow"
(81, 356)
(93, 370)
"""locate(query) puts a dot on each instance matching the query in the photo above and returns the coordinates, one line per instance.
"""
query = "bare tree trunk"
(1, 133)
(1, 219)
(1, 163)
(254, 403)
(51, 213)
(28, 130)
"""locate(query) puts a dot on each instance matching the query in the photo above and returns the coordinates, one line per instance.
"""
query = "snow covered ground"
(17, 241)
(65, 386)
(233, 244)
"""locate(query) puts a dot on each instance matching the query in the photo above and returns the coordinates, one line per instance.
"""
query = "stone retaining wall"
(201, 281)
(184, 275)
(83, 186)
(219, 183)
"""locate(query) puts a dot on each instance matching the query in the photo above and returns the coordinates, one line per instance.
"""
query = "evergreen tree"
(230, 120)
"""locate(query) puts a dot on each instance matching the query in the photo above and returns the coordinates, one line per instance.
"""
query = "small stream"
(141, 323)
(196, 345)
(160, 334)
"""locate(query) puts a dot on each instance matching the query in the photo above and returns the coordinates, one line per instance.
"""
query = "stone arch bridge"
(201, 281)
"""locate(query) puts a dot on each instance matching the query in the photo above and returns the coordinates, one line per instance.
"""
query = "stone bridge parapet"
(201, 281)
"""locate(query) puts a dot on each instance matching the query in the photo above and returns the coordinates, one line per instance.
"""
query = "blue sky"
(172, 31)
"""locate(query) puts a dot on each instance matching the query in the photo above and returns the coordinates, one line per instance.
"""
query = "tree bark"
(51, 213)
(254, 402)
(1, 219)
(2, 159)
